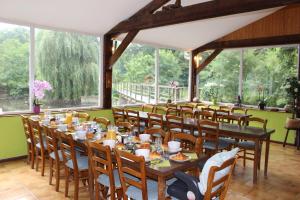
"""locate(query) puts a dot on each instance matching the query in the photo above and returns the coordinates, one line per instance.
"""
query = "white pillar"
(190, 77)
(156, 83)
(241, 73)
(100, 79)
(31, 66)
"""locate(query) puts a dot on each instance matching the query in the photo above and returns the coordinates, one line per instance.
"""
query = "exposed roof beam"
(266, 41)
(208, 60)
(210, 9)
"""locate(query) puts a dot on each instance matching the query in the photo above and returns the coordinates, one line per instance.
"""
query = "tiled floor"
(19, 182)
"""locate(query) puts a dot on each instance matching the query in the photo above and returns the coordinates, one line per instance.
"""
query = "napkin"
(193, 156)
(164, 163)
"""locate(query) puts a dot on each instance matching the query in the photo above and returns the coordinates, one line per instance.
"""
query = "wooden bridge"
(145, 93)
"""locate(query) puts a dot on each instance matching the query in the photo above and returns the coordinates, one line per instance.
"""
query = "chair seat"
(52, 155)
(103, 179)
(246, 144)
(212, 145)
(178, 190)
(135, 193)
(229, 141)
(38, 145)
(82, 163)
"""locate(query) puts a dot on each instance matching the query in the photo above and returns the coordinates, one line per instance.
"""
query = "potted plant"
(261, 97)
(39, 88)
(292, 88)
(173, 84)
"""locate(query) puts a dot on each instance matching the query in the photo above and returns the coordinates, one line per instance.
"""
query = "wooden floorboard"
(19, 182)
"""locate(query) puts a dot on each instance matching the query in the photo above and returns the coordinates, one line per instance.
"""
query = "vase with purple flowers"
(39, 88)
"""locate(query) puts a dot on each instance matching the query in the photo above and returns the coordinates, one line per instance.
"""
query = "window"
(133, 76)
(14, 67)
(173, 75)
(264, 72)
(70, 62)
(219, 81)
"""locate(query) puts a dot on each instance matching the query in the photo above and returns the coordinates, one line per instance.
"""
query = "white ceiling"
(98, 16)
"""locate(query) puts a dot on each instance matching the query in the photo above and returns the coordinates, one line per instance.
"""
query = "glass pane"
(265, 71)
(70, 63)
(14, 67)
(219, 81)
(173, 75)
(133, 76)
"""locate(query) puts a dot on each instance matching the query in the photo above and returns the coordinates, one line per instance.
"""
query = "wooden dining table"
(243, 132)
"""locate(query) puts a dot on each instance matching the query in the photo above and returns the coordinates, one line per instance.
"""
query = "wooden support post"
(208, 60)
(107, 72)
(193, 76)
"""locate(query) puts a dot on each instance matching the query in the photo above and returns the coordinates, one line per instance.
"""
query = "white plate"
(180, 161)
(174, 151)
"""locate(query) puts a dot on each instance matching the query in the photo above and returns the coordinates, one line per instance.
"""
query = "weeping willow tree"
(69, 61)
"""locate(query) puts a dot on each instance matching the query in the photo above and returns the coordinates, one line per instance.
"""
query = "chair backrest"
(187, 113)
(148, 108)
(224, 181)
(83, 116)
(67, 147)
(208, 115)
(160, 110)
(155, 120)
(222, 115)
(187, 107)
(128, 127)
(36, 131)
(104, 122)
(172, 105)
(155, 132)
(189, 142)
(172, 111)
(174, 122)
(26, 127)
(101, 163)
(201, 105)
(239, 110)
(225, 108)
(118, 114)
(133, 118)
(131, 164)
(209, 131)
(52, 140)
(255, 121)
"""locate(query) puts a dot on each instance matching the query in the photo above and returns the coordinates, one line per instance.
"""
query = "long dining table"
(242, 132)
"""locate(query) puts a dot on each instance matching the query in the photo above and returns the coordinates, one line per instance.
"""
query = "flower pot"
(262, 105)
(36, 109)
(292, 123)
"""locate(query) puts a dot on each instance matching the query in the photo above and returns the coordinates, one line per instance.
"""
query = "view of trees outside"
(268, 68)
(70, 62)
(219, 81)
(14, 67)
(263, 68)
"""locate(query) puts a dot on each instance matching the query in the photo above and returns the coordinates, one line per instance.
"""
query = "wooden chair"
(104, 174)
(186, 107)
(133, 118)
(29, 141)
(174, 123)
(82, 116)
(248, 147)
(155, 120)
(171, 105)
(172, 111)
(148, 108)
(55, 155)
(40, 145)
(239, 110)
(118, 114)
(126, 126)
(104, 122)
(158, 132)
(222, 115)
(187, 113)
(73, 163)
(189, 142)
(160, 110)
(132, 171)
(206, 115)
(209, 132)
(201, 105)
(216, 189)
(227, 108)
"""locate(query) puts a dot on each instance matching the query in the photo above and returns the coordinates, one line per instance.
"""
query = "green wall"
(12, 142)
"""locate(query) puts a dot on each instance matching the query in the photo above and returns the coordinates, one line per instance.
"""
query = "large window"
(70, 62)
(173, 75)
(133, 76)
(14, 67)
(218, 82)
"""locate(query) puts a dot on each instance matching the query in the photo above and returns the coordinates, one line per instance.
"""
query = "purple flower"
(39, 88)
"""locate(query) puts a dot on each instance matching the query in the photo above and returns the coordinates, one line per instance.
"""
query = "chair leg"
(57, 175)
(97, 191)
(67, 182)
(286, 136)
(244, 158)
(43, 164)
(37, 160)
(32, 157)
(76, 187)
(298, 139)
(51, 170)
(28, 153)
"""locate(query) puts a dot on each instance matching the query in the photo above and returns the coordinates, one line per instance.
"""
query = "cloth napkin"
(193, 156)
(164, 163)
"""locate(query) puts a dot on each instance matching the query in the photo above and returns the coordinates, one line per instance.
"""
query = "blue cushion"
(82, 163)
(135, 193)
(38, 145)
(104, 179)
(229, 141)
(212, 145)
(247, 144)
(52, 155)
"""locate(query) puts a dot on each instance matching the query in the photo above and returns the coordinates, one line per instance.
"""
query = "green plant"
(292, 88)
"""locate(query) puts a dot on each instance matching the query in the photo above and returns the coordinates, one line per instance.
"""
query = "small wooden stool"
(297, 143)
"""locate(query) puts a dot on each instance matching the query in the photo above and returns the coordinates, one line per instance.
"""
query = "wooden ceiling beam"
(208, 60)
(206, 10)
(255, 42)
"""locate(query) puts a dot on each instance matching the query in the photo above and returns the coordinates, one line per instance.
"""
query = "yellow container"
(68, 118)
(111, 134)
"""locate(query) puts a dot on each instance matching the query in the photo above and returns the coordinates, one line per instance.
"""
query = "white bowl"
(143, 152)
(81, 135)
(110, 143)
(173, 145)
(144, 137)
